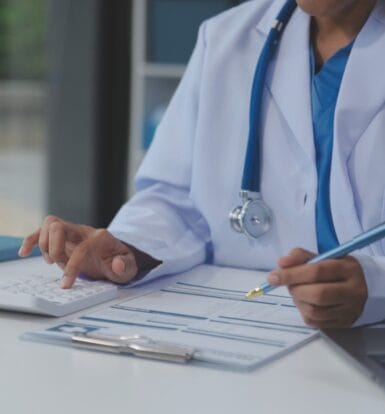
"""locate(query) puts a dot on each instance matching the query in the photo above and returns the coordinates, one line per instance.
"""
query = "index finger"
(326, 271)
(73, 266)
(295, 257)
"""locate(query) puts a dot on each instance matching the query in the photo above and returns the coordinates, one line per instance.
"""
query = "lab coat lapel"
(361, 97)
(289, 78)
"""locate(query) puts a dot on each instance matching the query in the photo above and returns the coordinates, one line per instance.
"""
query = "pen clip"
(136, 345)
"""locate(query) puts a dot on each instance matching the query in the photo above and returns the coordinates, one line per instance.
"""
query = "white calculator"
(42, 294)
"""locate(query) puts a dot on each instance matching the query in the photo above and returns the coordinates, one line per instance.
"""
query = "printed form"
(205, 309)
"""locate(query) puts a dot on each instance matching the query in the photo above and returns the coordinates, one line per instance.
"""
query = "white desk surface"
(40, 379)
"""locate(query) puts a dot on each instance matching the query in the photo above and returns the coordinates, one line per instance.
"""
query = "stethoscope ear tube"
(254, 217)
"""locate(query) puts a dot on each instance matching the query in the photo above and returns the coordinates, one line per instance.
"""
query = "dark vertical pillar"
(112, 142)
(88, 119)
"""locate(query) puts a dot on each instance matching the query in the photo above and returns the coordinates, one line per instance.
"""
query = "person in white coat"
(190, 178)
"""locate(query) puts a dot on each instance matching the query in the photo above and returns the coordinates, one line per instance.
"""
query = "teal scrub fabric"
(325, 85)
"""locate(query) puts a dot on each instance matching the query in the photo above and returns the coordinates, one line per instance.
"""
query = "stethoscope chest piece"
(253, 218)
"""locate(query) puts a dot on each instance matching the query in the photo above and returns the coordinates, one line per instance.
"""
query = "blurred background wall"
(23, 114)
(83, 84)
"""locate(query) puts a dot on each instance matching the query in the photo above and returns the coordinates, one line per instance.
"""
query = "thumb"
(123, 268)
(295, 257)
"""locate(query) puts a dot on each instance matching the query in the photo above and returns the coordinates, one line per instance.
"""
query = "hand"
(82, 249)
(329, 294)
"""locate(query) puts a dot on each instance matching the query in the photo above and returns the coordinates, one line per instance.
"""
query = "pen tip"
(254, 293)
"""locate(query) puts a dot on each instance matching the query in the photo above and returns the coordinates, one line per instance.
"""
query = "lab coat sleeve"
(374, 270)
(161, 219)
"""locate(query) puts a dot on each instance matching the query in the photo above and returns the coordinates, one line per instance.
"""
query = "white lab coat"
(190, 179)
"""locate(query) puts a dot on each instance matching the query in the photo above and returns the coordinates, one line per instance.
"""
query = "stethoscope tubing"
(254, 217)
(251, 180)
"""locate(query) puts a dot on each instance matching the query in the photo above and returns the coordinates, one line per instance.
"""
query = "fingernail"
(274, 279)
(47, 258)
(121, 268)
(20, 250)
(65, 282)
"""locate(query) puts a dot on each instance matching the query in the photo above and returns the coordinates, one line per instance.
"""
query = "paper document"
(204, 309)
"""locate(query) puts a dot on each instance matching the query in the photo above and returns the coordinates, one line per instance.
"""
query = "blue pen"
(360, 241)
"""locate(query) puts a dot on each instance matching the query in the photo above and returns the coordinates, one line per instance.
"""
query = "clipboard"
(201, 317)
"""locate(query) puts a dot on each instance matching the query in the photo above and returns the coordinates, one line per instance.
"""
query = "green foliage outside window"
(23, 25)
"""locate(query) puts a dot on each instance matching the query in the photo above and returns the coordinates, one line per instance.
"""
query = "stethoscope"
(254, 217)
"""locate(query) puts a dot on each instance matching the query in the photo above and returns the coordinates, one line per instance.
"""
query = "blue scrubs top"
(325, 86)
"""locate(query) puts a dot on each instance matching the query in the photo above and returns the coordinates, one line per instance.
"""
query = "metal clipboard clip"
(136, 345)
